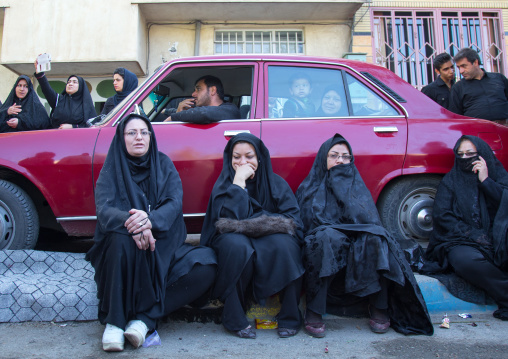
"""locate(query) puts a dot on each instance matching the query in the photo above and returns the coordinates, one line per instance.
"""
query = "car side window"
(366, 102)
(178, 85)
(305, 92)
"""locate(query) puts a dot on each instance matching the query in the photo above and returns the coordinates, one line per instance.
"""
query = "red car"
(401, 139)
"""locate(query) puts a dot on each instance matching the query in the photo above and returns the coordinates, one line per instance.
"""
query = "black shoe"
(247, 333)
(286, 332)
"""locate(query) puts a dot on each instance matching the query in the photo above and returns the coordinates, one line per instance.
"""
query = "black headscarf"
(461, 214)
(127, 182)
(33, 115)
(335, 196)
(73, 109)
(344, 238)
(130, 83)
(268, 193)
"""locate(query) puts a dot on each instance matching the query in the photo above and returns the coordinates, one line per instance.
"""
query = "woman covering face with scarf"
(253, 224)
(73, 107)
(348, 255)
(124, 83)
(471, 222)
(22, 110)
(143, 268)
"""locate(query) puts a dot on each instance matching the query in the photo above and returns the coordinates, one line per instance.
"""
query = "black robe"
(467, 212)
(343, 233)
(130, 83)
(131, 281)
(33, 115)
(265, 194)
(75, 109)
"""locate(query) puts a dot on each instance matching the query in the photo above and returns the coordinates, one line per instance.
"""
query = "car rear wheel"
(19, 222)
(406, 208)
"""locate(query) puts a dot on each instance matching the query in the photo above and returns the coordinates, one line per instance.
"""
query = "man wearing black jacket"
(479, 94)
(439, 90)
(206, 105)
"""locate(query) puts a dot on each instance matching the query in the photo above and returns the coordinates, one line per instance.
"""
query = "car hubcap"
(415, 213)
(6, 226)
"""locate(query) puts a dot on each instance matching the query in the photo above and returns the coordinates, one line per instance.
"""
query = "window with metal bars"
(406, 42)
(259, 42)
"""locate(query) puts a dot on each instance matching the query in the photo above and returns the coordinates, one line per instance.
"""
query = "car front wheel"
(406, 208)
(19, 222)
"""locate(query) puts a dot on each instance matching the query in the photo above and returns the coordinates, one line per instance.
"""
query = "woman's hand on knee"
(144, 240)
(138, 221)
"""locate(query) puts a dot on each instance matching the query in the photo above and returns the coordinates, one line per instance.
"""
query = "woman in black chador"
(253, 224)
(348, 255)
(22, 110)
(471, 222)
(73, 107)
(124, 83)
(143, 269)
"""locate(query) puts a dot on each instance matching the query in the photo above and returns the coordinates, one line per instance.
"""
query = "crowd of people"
(258, 238)
(72, 108)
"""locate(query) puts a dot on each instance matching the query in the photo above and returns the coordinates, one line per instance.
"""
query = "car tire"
(19, 222)
(406, 207)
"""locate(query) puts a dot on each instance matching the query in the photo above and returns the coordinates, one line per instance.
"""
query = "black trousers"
(318, 303)
(233, 315)
(470, 264)
(188, 289)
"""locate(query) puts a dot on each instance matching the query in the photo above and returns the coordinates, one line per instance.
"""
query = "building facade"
(406, 39)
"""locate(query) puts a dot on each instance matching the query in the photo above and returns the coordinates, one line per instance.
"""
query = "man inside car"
(206, 105)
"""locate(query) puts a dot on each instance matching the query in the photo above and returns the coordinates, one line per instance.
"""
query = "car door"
(366, 117)
(195, 149)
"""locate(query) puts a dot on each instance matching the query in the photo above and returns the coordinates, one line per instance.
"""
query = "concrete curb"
(56, 286)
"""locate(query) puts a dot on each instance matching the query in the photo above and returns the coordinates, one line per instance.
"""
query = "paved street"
(346, 338)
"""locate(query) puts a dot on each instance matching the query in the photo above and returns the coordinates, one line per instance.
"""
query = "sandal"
(286, 332)
(247, 333)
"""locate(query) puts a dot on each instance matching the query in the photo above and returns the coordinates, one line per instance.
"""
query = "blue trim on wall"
(365, 33)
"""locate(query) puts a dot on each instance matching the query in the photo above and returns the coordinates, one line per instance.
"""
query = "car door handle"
(234, 133)
(386, 129)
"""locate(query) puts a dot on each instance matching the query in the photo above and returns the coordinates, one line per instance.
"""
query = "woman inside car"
(332, 104)
(73, 107)
(348, 256)
(124, 83)
(252, 222)
(143, 268)
(471, 222)
(22, 110)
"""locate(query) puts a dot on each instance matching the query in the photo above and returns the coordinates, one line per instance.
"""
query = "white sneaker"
(112, 339)
(135, 332)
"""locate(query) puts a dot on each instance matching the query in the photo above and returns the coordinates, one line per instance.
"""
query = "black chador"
(134, 283)
(261, 257)
(469, 241)
(33, 115)
(347, 249)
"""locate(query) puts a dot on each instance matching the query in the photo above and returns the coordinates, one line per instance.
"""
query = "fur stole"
(258, 226)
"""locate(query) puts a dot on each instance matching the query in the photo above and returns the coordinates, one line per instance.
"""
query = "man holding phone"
(206, 105)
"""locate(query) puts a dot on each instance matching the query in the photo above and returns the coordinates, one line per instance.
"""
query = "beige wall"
(320, 40)
(71, 31)
(7, 77)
